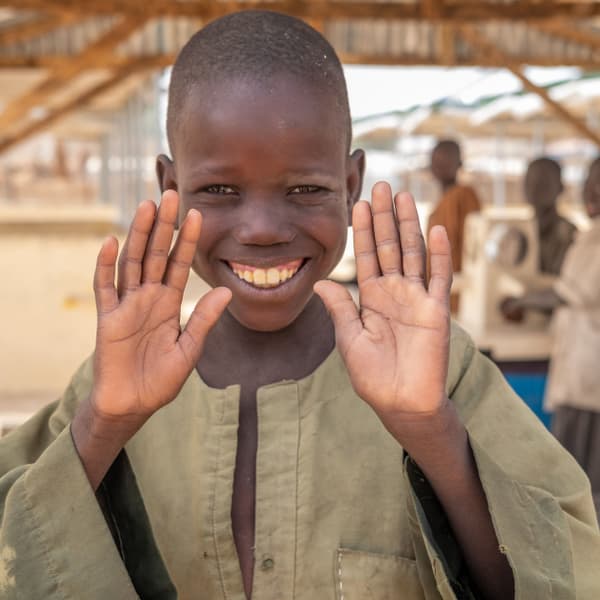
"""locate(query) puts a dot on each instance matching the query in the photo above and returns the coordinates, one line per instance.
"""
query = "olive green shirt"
(341, 513)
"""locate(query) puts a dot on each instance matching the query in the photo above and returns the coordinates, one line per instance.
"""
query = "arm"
(546, 300)
(400, 340)
(52, 527)
(142, 357)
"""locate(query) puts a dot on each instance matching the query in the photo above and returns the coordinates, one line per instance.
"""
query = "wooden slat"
(446, 44)
(459, 11)
(485, 49)
(67, 69)
(132, 67)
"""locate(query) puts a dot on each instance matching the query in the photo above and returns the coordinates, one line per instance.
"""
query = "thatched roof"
(57, 56)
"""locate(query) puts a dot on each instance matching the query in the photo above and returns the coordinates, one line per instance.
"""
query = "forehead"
(444, 154)
(541, 172)
(280, 110)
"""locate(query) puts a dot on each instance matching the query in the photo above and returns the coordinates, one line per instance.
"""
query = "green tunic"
(340, 511)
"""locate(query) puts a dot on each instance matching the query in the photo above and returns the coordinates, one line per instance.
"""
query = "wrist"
(99, 438)
(434, 440)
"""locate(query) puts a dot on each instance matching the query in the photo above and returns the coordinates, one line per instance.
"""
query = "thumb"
(204, 316)
(343, 311)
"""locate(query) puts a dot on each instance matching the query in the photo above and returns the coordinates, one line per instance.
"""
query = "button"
(267, 563)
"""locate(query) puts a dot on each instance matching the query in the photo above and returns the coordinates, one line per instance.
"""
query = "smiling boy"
(263, 450)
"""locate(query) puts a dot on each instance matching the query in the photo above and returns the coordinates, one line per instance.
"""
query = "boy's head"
(543, 185)
(259, 129)
(591, 189)
(446, 161)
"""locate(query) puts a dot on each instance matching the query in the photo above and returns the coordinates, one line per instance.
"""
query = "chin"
(267, 320)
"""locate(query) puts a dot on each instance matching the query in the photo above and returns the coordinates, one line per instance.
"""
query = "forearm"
(543, 300)
(99, 440)
(442, 451)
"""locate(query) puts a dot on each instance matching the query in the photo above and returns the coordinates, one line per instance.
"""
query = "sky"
(373, 90)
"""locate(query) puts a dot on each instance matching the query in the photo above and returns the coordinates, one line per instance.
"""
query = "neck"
(547, 218)
(234, 354)
(446, 185)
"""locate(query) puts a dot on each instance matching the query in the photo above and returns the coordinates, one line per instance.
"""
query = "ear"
(165, 171)
(355, 171)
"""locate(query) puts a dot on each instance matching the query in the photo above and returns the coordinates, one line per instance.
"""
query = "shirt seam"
(38, 532)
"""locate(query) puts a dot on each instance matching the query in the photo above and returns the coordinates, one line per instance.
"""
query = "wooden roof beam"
(571, 33)
(132, 67)
(70, 67)
(484, 49)
(164, 60)
(459, 11)
(34, 28)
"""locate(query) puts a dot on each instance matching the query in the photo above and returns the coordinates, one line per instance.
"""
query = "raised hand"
(142, 357)
(396, 345)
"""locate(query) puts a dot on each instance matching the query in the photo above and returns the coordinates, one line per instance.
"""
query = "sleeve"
(579, 281)
(55, 542)
(538, 497)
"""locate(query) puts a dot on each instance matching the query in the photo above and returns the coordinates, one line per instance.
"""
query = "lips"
(264, 276)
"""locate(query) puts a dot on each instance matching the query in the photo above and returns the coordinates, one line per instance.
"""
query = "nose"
(264, 223)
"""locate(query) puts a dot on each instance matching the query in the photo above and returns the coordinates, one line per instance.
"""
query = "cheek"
(332, 235)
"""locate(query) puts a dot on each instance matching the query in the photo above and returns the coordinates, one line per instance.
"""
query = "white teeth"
(272, 276)
(266, 278)
(260, 277)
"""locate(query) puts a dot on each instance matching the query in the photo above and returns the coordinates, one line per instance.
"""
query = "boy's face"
(266, 165)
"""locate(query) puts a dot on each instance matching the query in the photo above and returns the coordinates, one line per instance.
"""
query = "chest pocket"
(368, 576)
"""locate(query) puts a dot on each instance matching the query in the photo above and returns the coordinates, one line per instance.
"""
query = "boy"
(543, 185)
(574, 377)
(267, 463)
(456, 203)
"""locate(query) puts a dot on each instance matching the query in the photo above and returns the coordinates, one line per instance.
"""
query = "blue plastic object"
(530, 387)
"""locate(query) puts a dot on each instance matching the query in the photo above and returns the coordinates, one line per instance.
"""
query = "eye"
(219, 188)
(304, 189)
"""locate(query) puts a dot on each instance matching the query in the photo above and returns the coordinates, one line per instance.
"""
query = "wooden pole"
(570, 32)
(458, 11)
(70, 67)
(132, 67)
(484, 49)
(34, 28)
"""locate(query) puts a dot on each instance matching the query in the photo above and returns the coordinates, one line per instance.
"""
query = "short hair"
(257, 44)
(545, 164)
(448, 146)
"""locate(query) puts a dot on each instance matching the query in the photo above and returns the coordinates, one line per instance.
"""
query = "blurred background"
(82, 107)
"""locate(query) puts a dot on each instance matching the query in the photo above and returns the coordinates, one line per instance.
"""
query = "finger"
(132, 254)
(343, 311)
(365, 252)
(159, 244)
(440, 264)
(205, 314)
(386, 230)
(183, 252)
(104, 277)
(411, 238)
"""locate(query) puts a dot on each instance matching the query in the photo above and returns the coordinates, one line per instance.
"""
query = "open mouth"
(267, 277)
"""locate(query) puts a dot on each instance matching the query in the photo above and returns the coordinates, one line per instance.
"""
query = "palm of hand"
(142, 357)
(396, 346)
